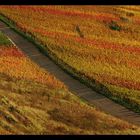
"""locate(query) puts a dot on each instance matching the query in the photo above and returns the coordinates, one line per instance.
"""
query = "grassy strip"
(4, 40)
(95, 85)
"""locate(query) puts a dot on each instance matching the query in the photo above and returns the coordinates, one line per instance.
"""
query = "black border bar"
(69, 2)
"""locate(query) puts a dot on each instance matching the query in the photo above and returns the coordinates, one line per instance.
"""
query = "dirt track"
(99, 101)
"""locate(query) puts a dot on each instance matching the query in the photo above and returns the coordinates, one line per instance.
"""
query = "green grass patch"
(4, 40)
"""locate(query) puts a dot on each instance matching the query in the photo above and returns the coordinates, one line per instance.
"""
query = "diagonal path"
(99, 101)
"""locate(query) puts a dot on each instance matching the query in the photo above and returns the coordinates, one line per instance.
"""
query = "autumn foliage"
(15, 64)
(111, 57)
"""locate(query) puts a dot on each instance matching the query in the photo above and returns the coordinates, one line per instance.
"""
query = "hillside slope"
(37, 103)
(97, 44)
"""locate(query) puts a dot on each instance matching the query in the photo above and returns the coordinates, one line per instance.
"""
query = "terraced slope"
(98, 44)
(33, 101)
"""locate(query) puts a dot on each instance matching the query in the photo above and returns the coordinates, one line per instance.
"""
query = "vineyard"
(101, 46)
(32, 101)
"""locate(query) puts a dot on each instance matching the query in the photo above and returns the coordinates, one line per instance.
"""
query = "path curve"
(99, 101)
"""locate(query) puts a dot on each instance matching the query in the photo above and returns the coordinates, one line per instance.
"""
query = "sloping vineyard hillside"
(98, 44)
